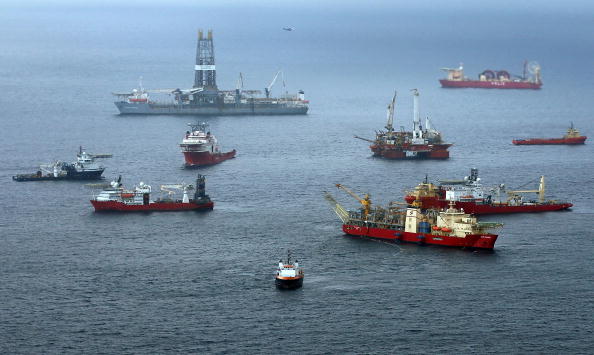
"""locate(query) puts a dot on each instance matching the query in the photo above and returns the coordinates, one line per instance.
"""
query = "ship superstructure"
(470, 195)
(494, 79)
(119, 199)
(204, 98)
(420, 143)
(201, 148)
(450, 227)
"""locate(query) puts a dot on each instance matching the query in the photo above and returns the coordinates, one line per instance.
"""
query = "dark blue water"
(73, 281)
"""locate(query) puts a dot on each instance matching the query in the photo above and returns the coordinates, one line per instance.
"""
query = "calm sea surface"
(74, 281)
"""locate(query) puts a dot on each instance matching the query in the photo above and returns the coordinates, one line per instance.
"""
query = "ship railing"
(489, 225)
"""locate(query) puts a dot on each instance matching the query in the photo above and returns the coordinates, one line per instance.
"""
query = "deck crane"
(169, 189)
(390, 123)
(267, 89)
(513, 194)
(365, 202)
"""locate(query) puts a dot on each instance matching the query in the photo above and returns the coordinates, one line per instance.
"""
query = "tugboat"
(116, 198)
(289, 276)
(571, 137)
(494, 79)
(419, 144)
(451, 227)
(84, 168)
(201, 148)
(470, 195)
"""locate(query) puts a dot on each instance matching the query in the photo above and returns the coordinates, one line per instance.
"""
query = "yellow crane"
(365, 202)
(540, 191)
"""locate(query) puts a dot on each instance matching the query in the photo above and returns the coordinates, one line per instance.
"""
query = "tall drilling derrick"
(205, 73)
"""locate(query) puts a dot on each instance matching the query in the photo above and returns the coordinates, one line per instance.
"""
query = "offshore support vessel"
(289, 275)
(117, 198)
(204, 98)
(201, 148)
(84, 168)
(494, 79)
(470, 196)
(419, 144)
(572, 137)
(451, 227)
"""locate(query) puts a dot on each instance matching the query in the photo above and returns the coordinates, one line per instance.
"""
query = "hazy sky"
(569, 6)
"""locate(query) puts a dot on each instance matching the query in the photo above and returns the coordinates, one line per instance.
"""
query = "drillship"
(470, 195)
(116, 198)
(201, 148)
(572, 137)
(204, 98)
(494, 79)
(419, 144)
(451, 227)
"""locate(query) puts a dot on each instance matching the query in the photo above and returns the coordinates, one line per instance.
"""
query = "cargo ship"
(201, 148)
(204, 98)
(572, 137)
(117, 198)
(494, 79)
(84, 168)
(421, 143)
(470, 196)
(289, 275)
(451, 227)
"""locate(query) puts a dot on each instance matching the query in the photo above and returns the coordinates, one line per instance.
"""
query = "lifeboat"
(446, 229)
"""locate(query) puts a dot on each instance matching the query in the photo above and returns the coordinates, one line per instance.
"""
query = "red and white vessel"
(201, 148)
(470, 195)
(452, 227)
(421, 143)
(289, 275)
(494, 79)
(572, 137)
(117, 198)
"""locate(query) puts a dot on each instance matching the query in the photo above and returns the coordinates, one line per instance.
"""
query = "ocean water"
(74, 281)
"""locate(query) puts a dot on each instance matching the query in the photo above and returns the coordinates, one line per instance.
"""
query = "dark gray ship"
(204, 98)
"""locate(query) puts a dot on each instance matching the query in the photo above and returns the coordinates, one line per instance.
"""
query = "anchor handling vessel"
(204, 98)
(289, 275)
(84, 168)
(470, 195)
(572, 137)
(452, 227)
(201, 148)
(494, 79)
(419, 144)
(117, 198)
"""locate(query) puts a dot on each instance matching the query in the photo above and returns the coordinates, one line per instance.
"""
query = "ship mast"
(417, 131)
(390, 113)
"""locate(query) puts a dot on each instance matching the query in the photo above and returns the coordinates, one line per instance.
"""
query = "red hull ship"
(470, 196)
(201, 148)
(572, 137)
(491, 79)
(452, 227)
(418, 144)
(118, 199)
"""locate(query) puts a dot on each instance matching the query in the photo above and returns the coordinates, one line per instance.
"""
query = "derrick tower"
(205, 75)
